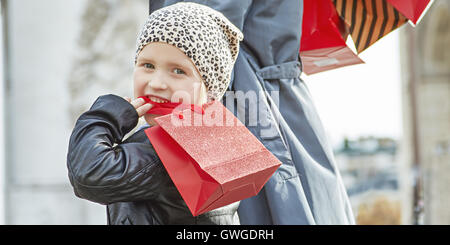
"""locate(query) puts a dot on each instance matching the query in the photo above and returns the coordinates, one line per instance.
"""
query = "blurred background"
(388, 119)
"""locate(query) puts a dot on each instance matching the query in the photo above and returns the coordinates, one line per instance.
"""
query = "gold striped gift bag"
(369, 20)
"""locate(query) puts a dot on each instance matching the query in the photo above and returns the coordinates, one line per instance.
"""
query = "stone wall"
(62, 56)
(426, 63)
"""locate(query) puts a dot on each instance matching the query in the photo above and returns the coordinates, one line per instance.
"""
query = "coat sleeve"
(101, 167)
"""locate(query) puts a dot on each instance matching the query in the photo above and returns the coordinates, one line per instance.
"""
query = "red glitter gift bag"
(212, 158)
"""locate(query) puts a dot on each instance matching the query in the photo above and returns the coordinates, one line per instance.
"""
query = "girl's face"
(164, 73)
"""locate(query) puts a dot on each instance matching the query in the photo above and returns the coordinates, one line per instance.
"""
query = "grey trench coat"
(307, 188)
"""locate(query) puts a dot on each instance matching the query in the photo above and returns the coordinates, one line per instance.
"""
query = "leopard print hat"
(206, 36)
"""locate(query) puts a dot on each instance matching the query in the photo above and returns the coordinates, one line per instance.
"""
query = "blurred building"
(371, 172)
(59, 57)
(426, 114)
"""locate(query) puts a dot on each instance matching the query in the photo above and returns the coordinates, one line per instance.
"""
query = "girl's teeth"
(157, 100)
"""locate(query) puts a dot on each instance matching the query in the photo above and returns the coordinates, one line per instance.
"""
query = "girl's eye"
(149, 66)
(178, 71)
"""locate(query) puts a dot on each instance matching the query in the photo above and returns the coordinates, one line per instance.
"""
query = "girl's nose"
(157, 82)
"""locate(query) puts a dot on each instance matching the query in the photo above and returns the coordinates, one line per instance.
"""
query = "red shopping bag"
(212, 159)
(323, 44)
(411, 9)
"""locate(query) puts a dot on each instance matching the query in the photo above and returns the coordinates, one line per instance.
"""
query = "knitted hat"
(206, 36)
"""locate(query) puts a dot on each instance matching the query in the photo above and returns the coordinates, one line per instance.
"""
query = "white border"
(2, 126)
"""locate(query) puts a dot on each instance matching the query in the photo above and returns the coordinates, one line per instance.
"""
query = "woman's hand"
(140, 105)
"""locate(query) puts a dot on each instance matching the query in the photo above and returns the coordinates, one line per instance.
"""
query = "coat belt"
(286, 70)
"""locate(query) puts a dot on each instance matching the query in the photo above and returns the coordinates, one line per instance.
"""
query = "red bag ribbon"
(169, 107)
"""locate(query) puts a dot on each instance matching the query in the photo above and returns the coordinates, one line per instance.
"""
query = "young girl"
(185, 54)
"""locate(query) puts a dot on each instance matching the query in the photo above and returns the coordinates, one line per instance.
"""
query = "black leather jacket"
(127, 176)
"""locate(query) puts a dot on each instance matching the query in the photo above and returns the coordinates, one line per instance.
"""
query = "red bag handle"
(169, 107)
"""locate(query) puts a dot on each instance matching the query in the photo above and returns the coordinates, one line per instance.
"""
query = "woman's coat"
(307, 188)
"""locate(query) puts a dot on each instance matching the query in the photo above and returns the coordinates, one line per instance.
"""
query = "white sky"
(364, 99)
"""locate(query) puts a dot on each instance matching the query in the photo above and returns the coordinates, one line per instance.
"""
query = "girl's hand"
(140, 105)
